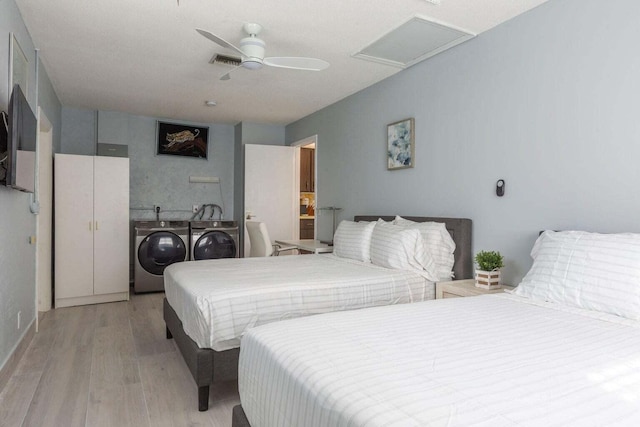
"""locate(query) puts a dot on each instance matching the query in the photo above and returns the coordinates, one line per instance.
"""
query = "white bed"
(210, 305)
(562, 349)
(219, 300)
(485, 361)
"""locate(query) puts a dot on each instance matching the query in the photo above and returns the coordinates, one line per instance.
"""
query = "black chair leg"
(169, 336)
(203, 398)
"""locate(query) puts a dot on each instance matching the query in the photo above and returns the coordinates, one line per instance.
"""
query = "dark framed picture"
(401, 144)
(182, 140)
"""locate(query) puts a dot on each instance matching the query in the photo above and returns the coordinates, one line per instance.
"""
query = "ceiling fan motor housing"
(253, 49)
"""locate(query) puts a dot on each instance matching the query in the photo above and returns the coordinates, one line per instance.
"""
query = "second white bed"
(219, 300)
(483, 361)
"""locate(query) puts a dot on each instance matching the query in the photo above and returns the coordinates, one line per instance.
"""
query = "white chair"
(261, 244)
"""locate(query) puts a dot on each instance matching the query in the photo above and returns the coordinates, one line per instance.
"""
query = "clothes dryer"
(213, 240)
(158, 244)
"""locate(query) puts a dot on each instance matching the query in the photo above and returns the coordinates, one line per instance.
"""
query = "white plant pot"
(488, 279)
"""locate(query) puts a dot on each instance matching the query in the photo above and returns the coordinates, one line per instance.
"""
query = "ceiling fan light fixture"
(252, 64)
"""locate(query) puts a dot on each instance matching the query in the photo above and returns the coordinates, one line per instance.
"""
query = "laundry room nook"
(126, 206)
(158, 244)
(169, 238)
(93, 238)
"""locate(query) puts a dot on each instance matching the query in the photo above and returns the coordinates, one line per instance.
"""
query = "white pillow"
(353, 240)
(400, 248)
(598, 272)
(439, 244)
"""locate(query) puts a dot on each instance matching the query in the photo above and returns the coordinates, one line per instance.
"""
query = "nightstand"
(464, 288)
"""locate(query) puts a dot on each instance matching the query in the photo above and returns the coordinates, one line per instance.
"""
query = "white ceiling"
(144, 57)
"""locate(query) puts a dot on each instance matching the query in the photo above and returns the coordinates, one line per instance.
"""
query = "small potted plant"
(488, 271)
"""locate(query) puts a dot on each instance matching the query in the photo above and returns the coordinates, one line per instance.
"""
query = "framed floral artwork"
(401, 144)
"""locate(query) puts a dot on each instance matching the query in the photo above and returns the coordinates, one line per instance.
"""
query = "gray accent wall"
(156, 180)
(50, 104)
(547, 101)
(17, 256)
(78, 131)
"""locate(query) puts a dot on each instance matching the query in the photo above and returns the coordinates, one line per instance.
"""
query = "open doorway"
(307, 160)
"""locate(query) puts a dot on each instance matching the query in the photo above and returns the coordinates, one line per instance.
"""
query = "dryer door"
(160, 249)
(214, 245)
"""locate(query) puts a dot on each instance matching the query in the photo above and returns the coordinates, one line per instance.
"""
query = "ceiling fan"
(252, 53)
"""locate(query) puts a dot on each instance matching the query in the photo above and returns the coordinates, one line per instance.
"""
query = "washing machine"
(213, 240)
(158, 244)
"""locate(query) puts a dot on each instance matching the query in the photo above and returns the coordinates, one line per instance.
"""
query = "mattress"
(483, 361)
(219, 300)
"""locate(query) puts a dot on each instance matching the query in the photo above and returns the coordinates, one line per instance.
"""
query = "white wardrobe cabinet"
(91, 229)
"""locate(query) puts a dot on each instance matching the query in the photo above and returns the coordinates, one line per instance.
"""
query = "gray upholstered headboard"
(460, 230)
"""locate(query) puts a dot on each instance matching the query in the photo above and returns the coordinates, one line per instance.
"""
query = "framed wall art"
(401, 144)
(182, 140)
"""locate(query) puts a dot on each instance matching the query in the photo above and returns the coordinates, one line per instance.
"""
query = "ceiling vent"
(232, 61)
(412, 42)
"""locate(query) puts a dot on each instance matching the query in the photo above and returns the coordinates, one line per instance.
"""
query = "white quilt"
(484, 361)
(219, 300)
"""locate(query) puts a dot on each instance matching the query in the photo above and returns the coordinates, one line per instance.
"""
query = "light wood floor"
(108, 365)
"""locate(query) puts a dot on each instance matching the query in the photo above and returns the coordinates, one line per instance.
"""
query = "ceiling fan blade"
(222, 42)
(227, 75)
(296, 63)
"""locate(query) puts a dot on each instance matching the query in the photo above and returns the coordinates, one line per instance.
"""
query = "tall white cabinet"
(91, 229)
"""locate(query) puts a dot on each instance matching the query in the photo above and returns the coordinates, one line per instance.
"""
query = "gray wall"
(156, 179)
(17, 256)
(547, 101)
(78, 131)
(50, 104)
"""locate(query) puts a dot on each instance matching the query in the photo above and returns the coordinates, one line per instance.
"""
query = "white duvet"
(219, 300)
(482, 361)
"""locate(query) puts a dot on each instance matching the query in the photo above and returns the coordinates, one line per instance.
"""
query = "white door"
(270, 189)
(74, 225)
(111, 225)
(44, 221)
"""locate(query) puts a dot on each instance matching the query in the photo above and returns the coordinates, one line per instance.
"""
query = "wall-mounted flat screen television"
(18, 158)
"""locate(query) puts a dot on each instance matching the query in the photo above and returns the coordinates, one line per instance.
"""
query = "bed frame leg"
(169, 336)
(203, 398)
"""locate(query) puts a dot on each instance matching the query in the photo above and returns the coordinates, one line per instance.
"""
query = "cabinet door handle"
(90, 225)
(96, 225)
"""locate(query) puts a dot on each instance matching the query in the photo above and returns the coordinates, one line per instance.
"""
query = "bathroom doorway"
(308, 166)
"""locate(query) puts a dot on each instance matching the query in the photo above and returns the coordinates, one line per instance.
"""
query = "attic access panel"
(412, 42)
